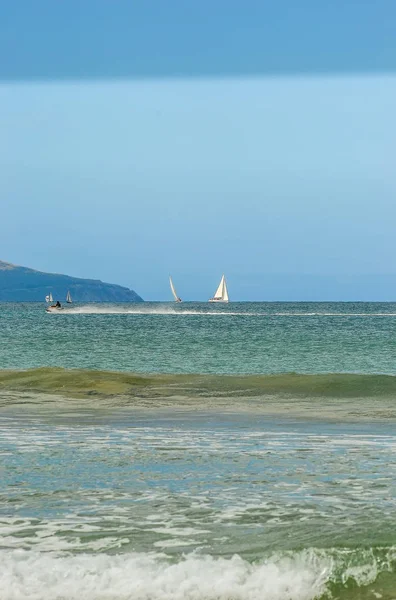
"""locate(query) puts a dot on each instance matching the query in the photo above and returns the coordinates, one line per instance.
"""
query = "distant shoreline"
(22, 284)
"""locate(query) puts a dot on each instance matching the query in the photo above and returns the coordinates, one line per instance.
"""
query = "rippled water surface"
(203, 338)
(260, 489)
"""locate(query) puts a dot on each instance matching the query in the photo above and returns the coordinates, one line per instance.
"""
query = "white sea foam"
(167, 310)
(34, 576)
(147, 310)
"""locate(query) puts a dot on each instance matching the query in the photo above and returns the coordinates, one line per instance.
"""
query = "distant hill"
(20, 284)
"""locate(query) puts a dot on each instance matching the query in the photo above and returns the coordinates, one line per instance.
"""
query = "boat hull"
(218, 301)
(53, 309)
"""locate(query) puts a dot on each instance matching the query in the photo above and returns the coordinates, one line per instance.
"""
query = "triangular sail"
(47, 298)
(51, 298)
(220, 290)
(225, 291)
(68, 298)
(172, 287)
(221, 294)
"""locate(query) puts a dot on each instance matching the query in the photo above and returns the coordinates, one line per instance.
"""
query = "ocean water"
(236, 452)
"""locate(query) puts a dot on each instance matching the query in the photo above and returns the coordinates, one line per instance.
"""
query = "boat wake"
(147, 310)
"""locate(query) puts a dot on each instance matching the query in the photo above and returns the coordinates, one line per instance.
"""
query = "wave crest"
(142, 576)
(306, 575)
(86, 383)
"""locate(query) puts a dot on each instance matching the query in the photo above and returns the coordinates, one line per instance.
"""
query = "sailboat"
(52, 307)
(172, 287)
(221, 294)
(69, 298)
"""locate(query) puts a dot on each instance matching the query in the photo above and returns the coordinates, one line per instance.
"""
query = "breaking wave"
(305, 575)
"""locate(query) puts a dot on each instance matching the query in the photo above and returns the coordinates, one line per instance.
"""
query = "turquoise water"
(202, 338)
(176, 493)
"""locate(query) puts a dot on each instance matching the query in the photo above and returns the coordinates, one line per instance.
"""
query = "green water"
(235, 452)
(243, 338)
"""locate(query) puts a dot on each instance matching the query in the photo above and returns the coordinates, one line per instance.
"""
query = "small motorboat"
(53, 309)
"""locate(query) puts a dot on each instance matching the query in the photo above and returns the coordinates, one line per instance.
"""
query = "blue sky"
(128, 170)
(182, 38)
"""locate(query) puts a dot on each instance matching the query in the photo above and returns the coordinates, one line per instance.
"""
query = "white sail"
(225, 290)
(220, 290)
(221, 294)
(172, 287)
(47, 299)
(51, 298)
(68, 298)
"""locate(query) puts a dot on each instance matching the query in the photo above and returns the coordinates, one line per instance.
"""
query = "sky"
(258, 141)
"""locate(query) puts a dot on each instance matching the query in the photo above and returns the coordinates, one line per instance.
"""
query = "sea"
(157, 451)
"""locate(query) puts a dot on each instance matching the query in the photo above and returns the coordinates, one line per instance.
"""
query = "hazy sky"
(286, 183)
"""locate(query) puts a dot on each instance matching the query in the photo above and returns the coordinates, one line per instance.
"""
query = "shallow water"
(123, 486)
(131, 504)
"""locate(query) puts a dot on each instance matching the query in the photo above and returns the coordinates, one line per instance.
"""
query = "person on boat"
(58, 304)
